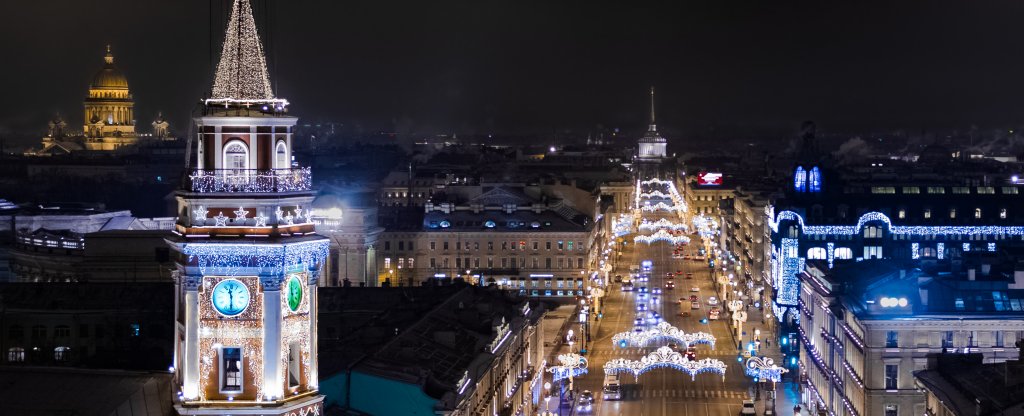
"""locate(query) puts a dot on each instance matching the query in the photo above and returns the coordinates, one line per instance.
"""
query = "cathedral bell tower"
(249, 257)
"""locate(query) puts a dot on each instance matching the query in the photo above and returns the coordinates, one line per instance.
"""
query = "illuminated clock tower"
(249, 257)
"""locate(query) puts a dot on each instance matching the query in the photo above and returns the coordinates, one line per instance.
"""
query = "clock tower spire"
(249, 259)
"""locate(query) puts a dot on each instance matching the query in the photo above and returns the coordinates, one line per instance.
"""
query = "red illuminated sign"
(709, 178)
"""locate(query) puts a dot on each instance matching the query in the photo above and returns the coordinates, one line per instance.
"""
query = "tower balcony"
(249, 180)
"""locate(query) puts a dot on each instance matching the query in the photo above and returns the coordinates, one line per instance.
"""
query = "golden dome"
(109, 76)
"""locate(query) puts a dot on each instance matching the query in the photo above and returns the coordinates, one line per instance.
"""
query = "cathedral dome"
(109, 76)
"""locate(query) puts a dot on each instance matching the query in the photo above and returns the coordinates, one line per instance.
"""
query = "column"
(273, 386)
(312, 379)
(190, 371)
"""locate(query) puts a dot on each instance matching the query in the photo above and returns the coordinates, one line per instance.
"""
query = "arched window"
(843, 253)
(794, 231)
(816, 253)
(800, 179)
(872, 232)
(814, 180)
(281, 156)
(16, 355)
(60, 354)
(236, 157)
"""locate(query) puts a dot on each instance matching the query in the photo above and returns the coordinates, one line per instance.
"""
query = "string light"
(646, 225)
(665, 357)
(788, 283)
(242, 71)
(662, 331)
(220, 220)
(662, 235)
(914, 251)
(568, 363)
(230, 258)
(241, 214)
(831, 247)
(941, 250)
(919, 230)
(252, 181)
(764, 368)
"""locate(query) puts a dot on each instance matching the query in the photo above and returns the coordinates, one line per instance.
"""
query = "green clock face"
(294, 293)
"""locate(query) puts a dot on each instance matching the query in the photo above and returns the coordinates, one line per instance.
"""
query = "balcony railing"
(250, 180)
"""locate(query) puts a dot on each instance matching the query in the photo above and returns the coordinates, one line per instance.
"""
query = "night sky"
(535, 66)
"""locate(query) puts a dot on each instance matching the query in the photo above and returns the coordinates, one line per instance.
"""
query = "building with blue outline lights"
(934, 209)
(249, 256)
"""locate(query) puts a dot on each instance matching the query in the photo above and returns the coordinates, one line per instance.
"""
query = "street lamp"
(547, 397)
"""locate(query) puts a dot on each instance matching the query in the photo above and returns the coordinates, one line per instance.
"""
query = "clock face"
(230, 297)
(294, 293)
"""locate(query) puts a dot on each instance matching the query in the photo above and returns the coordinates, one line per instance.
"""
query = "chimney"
(970, 274)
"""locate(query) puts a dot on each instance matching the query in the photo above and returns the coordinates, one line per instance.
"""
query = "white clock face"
(230, 297)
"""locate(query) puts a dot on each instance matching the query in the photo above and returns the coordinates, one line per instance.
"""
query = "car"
(618, 278)
(586, 402)
(670, 285)
(694, 305)
(668, 274)
(691, 353)
(689, 275)
(638, 321)
(656, 291)
(642, 289)
(695, 289)
(654, 298)
(687, 257)
(748, 408)
(640, 297)
(694, 298)
(627, 286)
(641, 307)
(712, 300)
(646, 265)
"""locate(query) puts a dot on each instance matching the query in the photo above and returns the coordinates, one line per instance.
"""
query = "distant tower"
(249, 259)
(160, 127)
(109, 109)
(652, 145)
(807, 177)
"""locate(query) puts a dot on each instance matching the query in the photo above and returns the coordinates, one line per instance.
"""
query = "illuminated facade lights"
(251, 181)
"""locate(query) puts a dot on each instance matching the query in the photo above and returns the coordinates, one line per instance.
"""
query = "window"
(294, 364)
(410, 262)
(236, 157)
(872, 232)
(522, 246)
(903, 214)
(16, 331)
(548, 244)
(961, 190)
(490, 246)
(936, 190)
(883, 189)
(433, 263)
(872, 252)
(401, 262)
(560, 245)
(800, 179)
(281, 156)
(536, 244)
(62, 331)
(891, 374)
(570, 245)
(38, 331)
(952, 213)
(401, 246)
(444, 246)
(892, 410)
(813, 180)
(579, 245)
(579, 262)
(892, 339)
(986, 190)
(927, 213)
(387, 246)
(1002, 212)
(134, 330)
(16, 355)
(794, 232)
(444, 262)
(60, 354)
(947, 337)
(433, 245)
(997, 336)
(843, 253)
(911, 190)
(387, 262)
(977, 213)
(536, 263)
(928, 252)
(816, 253)
(547, 263)
(1009, 190)
(959, 303)
(231, 369)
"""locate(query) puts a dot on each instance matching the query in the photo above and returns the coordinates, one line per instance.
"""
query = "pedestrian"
(767, 342)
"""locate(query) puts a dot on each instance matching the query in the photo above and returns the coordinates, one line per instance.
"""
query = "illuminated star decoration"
(309, 216)
(220, 219)
(200, 213)
(261, 220)
(241, 214)
(289, 219)
(298, 211)
(279, 214)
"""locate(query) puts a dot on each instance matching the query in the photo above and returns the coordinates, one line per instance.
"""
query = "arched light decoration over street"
(662, 235)
(661, 206)
(646, 225)
(568, 363)
(765, 369)
(662, 331)
(665, 357)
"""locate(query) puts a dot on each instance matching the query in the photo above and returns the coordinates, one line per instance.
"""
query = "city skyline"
(529, 68)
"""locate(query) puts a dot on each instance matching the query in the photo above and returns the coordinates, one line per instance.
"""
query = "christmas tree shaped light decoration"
(242, 72)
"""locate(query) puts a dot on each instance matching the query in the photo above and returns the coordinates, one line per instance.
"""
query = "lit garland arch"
(570, 365)
(662, 331)
(662, 235)
(646, 225)
(764, 368)
(665, 357)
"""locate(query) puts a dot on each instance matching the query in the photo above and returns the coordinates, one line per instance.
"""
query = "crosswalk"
(642, 393)
(639, 352)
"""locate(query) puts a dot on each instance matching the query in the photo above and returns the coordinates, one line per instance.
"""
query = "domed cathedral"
(249, 259)
(809, 167)
(109, 109)
(651, 150)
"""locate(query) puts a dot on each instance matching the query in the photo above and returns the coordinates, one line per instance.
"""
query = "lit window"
(60, 354)
(134, 330)
(961, 190)
(1009, 190)
(977, 213)
(892, 410)
(911, 190)
(843, 253)
(816, 253)
(231, 369)
(903, 214)
(800, 179)
(281, 160)
(387, 262)
(987, 190)
(814, 180)
(236, 157)
(883, 189)
(16, 355)
(872, 252)
(1002, 212)
(927, 213)
(952, 213)
(936, 190)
